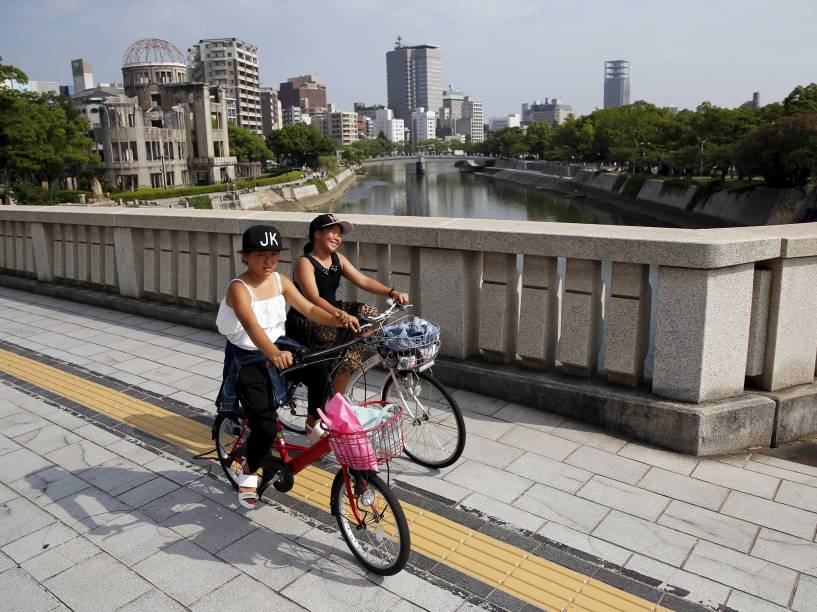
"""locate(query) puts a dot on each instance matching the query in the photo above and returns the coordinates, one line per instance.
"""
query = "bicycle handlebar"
(302, 359)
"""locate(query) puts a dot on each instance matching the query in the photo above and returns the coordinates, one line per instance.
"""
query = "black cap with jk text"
(261, 238)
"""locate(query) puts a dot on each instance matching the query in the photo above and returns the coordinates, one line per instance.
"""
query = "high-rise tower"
(232, 63)
(616, 83)
(414, 77)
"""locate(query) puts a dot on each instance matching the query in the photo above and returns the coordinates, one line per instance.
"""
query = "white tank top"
(270, 314)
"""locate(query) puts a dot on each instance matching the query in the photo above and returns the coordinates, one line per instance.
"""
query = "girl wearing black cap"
(317, 274)
(252, 317)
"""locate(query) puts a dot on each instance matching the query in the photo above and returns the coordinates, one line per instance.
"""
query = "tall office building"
(414, 77)
(83, 75)
(551, 111)
(271, 116)
(303, 91)
(423, 125)
(232, 63)
(616, 83)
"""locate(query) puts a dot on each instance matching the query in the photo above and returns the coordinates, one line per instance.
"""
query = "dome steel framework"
(152, 51)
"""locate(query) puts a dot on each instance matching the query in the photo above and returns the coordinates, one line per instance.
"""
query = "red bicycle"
(368, 513)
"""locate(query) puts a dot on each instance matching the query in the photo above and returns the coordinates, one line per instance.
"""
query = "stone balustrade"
(692, 316)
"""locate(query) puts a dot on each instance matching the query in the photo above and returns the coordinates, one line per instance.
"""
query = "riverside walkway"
(104, 505)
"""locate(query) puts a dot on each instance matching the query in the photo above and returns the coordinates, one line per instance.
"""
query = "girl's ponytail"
(308, 247)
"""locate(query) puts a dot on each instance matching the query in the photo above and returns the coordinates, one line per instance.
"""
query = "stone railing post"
(628, 323)
(791, 339)
(539, 311)
(43, 242)
(449, 295)
(499, 306)
(702, 332)
(130, 258)
(582, 311)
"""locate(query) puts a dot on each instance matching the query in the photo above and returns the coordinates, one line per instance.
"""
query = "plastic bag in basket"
(347, 438)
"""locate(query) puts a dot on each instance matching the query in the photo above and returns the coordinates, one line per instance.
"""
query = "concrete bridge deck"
(105, 507)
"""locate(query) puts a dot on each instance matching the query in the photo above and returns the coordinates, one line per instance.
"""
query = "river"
(394, 188)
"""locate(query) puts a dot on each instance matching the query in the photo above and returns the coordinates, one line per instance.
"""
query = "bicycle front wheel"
(433, 427)
(380, 539)
(230, 448)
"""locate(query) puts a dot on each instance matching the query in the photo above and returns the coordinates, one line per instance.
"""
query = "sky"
(502, 52)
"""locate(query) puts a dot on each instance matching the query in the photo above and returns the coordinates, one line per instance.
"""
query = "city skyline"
(503, 55)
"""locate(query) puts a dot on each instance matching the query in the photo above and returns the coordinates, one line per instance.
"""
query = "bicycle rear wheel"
(381, 540)
(365, 383)
(230, 448)
(293, 414)
(433, 427)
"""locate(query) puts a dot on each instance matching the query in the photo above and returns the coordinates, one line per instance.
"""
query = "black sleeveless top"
(327, 280)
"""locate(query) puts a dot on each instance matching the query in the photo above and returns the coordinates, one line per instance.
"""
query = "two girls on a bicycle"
(252, 316)
(317, 274)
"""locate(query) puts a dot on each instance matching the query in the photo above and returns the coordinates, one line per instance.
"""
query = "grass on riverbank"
(157, 194)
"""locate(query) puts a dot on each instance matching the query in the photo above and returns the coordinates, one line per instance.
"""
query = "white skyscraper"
(83, 75)
(616, 83)
(386, 124)
(423, 125)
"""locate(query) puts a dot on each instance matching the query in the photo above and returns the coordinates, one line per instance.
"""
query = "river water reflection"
(394, 188)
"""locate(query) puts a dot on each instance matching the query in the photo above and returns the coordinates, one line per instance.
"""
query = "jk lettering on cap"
(270, 239)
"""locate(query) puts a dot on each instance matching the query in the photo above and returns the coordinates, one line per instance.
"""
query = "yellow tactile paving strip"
(525, 576)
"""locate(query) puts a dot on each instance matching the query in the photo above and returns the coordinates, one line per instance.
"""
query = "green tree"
(300, 144)
(538, 138)
(507, 142)
(802, 99)
(784, 152)
(9, 72)
(246, 145)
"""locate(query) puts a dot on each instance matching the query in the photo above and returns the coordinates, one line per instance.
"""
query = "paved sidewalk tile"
(97, 434)
(489, 452)
(798, 495)
(148, 492)
(563, 508)
(20, 592)
(511, 515)
(485, 426)
(19, 517)
(173, 470)
(132, 537)
(529, 418)
(47, 439)
(589, 435)
(6, 493)
(56, 560)
(133, 451)
(87, 509)
(474, 402)
(735, 478)
(80, 456)
(806, 594)
(744, 602)
(552, 473)
(678, 486)
(269, 558)
(489, 481)
(180, 500)
(755, 576)
(7, 445)
(33, 544)
(98, 583)
(624, 497)
(771, 514)
(708, 525)
(21, 463)
(210, 525)
(647, 538)
(18, 423)
(539, 442)
(608, 464)
(333, 587)
(185, 571)
(153, 601)
(782, 473)
(700, 590)
(787, 551)
(117, 476)
(243, 593)
(49, 485)
(589, 544)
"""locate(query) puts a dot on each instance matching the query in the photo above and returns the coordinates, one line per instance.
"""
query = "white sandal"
(248, 499)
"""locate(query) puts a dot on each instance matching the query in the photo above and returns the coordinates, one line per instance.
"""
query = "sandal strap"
(248, 480)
